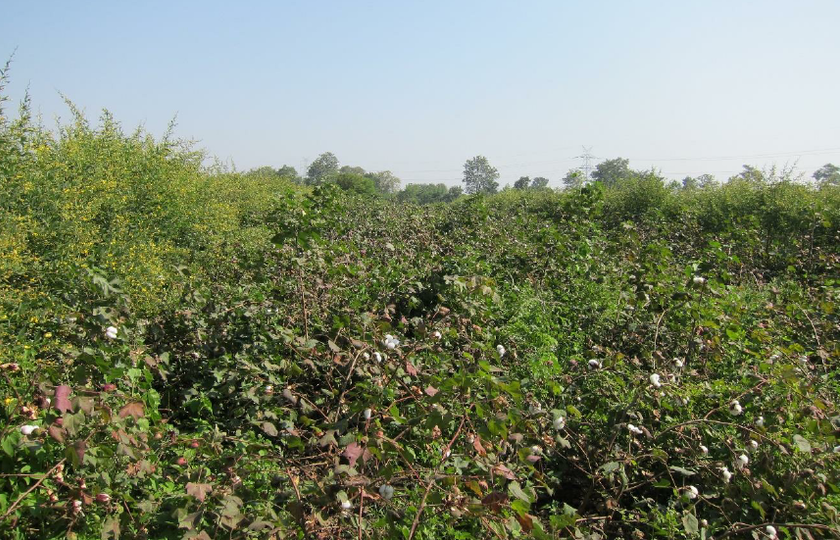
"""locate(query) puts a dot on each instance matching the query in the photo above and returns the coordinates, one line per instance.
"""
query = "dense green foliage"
(187, 354)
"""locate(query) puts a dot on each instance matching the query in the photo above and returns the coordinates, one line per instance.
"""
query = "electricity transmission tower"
(587, 158)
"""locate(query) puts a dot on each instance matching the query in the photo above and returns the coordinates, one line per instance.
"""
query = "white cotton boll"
(388, 337)
(692, 492)
(111, 332)
(594, 364)
(28, 429)
(759, 422)
(704, 449)
(633, 429)
(367, 413)
(743, 461)
(536, 449)
(559, 423)
(346, 505)
(437, 335)
(727, 476)
(446, 454)
(386, 491)
(679, 362)
(501, 350)
(837, 449)
(391, 345)
(753, 444)
(704, 522)
(771, 531)
(654, 380)
(698, 280)
(735, 408)
(366, 356)
(377, 357)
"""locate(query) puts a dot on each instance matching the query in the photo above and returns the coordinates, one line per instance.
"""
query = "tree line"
(480, 177)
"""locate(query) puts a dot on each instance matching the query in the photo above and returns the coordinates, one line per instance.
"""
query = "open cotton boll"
(378, 357)
(559, 423)
(437, 335)
(654, 380)
(679, 362)
(727, 476)
(367, 413)
(692, 492)
(704, 449)
(742, 461)
(735, 408)
(366, 356)
(759, 422)
(501, 350)
(771, 531)
(346, 505)
(111, 332)
(633, 429)
(386, 492)
(594, 364)
(698, 280)
(28, 429)
(753, 444)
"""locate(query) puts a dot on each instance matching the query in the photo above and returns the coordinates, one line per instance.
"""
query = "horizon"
(418, 89)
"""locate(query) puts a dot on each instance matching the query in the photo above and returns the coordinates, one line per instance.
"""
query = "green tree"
(573, 179)
(355, 183)
(424, 193)
(612, 171)
(287, 171)
(320, 171)
(828, 174)
(689, 182)
(352, 170)
(262, 171)
(539, 182)
(453, 193)
(524, 182)
(385, 181)
(480, 176)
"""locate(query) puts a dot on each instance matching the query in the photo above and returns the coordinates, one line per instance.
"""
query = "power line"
(587, 158)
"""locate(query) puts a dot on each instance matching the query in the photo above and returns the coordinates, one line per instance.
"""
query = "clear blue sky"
(418, 87)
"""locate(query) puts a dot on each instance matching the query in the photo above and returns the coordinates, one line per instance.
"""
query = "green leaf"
(802, 444)
(682, 471)
(10, 442)
(515, 489)
(692, 526)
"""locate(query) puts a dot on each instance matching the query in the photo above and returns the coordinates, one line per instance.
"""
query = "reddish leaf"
(431, 391)
(57, 433)
(62, 401)
(135, 410)
(79, 447)
(495, 500)
(410, 369)
(478, 447)
(352, 453)
(526, 521)
(199, 491)
(504, 471)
